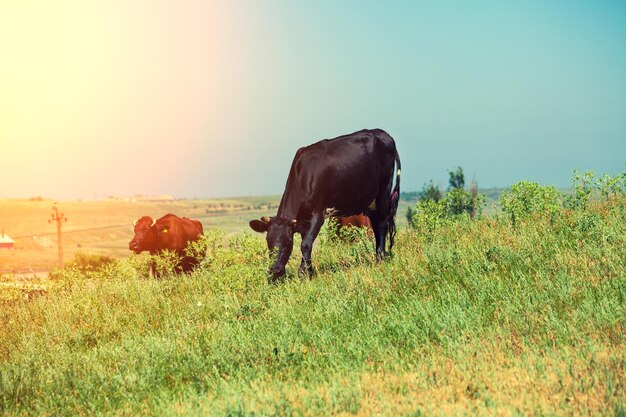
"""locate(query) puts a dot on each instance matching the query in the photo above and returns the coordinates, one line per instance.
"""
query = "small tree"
(430, 192)
(457, 179)
(460, 201)
(583, 187)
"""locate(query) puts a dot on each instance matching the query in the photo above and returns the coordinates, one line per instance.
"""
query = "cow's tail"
(395, 198)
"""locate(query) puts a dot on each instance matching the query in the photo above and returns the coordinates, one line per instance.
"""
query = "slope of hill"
(475, 318)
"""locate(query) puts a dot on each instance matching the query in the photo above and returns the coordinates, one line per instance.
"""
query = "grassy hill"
(471, 318)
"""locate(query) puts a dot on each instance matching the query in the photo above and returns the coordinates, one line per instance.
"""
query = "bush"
(612, 186)
(428, 215)
(526, 198)
(583, 188)
(430, 192)
(85, 262)
(460, 201)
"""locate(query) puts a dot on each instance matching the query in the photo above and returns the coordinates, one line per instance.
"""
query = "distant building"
(5, 241)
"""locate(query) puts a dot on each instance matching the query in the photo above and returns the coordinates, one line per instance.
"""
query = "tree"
(430, 192)
(457, 179)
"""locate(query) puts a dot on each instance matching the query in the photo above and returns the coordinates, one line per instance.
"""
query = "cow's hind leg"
(379, 224)
(380, 219)
(308, 237)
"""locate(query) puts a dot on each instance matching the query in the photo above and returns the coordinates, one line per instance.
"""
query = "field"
(105, 227)
(469, 317)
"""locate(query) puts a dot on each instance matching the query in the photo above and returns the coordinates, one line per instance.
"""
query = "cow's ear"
(162, 228)
(259, 226)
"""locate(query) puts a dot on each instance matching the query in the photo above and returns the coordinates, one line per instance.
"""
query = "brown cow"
(358, 220)
(170, 232)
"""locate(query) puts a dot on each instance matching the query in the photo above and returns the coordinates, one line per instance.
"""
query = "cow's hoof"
(306, 273)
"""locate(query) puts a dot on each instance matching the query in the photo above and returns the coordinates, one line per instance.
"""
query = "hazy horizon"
(212, 99)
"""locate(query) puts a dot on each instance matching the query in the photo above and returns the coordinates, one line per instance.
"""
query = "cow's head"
(146, 235)
(279, 240)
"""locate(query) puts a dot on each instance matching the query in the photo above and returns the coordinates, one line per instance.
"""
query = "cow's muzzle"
(134, 246)
(276, 271)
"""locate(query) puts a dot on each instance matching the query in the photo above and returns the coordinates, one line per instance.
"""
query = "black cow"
(170, 232)
(343, 176)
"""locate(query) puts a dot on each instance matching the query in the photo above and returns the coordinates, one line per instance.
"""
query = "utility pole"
(59, 219)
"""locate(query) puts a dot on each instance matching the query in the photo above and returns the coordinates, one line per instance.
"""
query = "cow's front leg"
(308, 237)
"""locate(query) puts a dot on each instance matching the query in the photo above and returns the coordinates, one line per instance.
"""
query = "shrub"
(85, 262)
(330, 229)
(459, 201)
(526, 198)
(430, 192)
(612, 186)
(165, 263)
(583, 187)
(428, 215)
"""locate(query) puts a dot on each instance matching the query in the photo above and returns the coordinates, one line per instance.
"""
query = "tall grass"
(478, 318)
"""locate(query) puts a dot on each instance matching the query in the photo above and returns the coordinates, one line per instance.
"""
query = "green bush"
(587, 186)
(427, 215)
(85, 262)
(611, 187)
(527, 198)
(430, 192)
(584, 185)
(460, 202)
(331, 231)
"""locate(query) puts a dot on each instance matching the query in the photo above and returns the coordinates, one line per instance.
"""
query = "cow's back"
(193, 228)
(181, 231)
(357, 220)
(344, 173)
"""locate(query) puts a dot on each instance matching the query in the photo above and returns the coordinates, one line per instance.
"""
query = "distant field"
(105, 227)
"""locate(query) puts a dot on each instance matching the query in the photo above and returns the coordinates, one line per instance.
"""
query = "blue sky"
(507, 90)
(209, 99)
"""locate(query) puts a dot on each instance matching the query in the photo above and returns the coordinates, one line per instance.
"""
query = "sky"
(212, 98)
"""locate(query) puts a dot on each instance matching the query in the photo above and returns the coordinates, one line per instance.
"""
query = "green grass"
(477, 318)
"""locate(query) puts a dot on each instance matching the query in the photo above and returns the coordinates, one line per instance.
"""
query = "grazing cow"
(170, 232)
(343, 176)
(358, 220)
